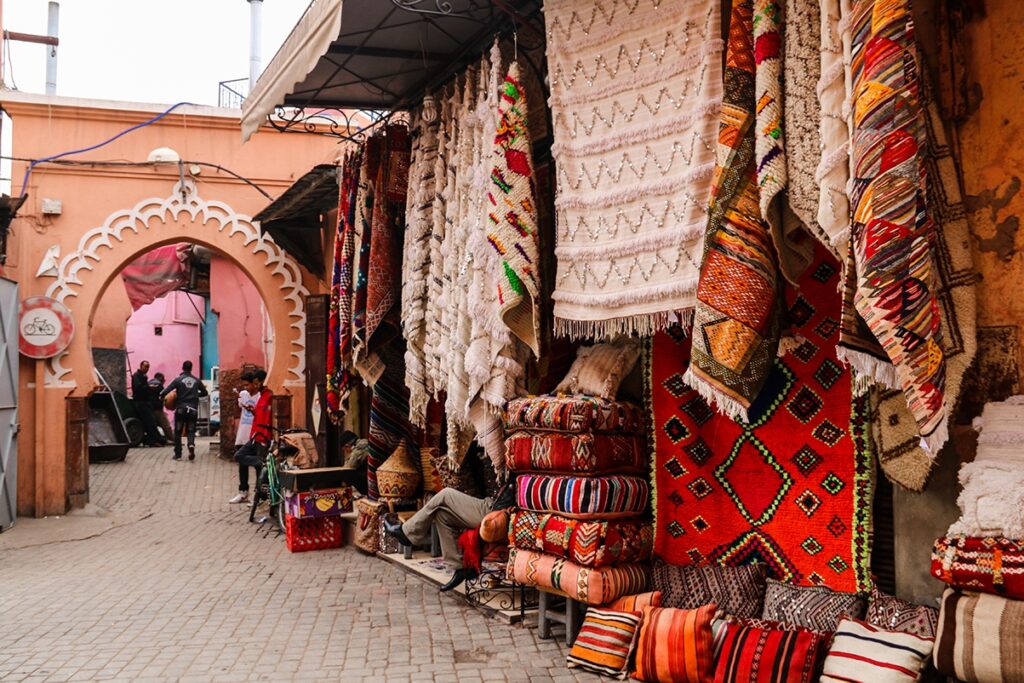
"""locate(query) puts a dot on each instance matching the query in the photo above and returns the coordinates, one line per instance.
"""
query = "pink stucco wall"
(241, 328)
(180, 338)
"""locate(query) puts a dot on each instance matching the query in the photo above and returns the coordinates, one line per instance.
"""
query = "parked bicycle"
(268, 483)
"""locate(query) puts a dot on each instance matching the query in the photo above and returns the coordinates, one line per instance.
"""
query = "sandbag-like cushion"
(574, 415)
(748, 654)
(989, 565)
(675, 645)
(599, 369)
(579, 454)
(591, 585)
(605, 642)
(893, 614)
(494, 527)
(979, 638)
(583, 497)
(587, 543)
(635, 603)
(738, 591)
(862, 652)
(812, 607)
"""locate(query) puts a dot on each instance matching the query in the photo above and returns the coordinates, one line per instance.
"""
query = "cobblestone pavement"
(193, 592)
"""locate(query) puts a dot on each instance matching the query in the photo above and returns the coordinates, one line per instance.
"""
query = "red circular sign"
(45, 327)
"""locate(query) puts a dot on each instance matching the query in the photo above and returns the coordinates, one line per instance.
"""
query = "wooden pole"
(38, 447)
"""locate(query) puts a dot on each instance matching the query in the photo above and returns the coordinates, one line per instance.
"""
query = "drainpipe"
(52, 24)
(255, 40)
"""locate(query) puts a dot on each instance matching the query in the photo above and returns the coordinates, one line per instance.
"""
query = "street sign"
(45, 327)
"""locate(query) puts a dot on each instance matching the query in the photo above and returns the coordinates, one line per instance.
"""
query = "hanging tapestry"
(735, 325)
(900, 454)
(419, 215)
(892, 330)
(834, 86)
(339, 327)
(512, 214)
(791, 487)
(372, 152)
(389, 413)
(635, 96)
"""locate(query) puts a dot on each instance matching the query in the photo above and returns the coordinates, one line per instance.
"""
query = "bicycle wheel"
(281, 516)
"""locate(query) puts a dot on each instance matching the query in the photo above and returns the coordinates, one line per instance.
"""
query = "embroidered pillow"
(599, 369)
(738, 591)
(979, 637)
(861, 652)
(675, 645)
(812, 607)
(605, 642)
(756, 655)
(635, 603)
(494, 527)
(893, 614)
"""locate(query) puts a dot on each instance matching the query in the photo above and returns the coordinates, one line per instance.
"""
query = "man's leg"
(179, 425)
(161, 419)
(192, 419)
(145, 413)
(453, 513)
(247, 457)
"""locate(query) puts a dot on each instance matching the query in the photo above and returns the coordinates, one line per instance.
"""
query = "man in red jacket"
(252, 453)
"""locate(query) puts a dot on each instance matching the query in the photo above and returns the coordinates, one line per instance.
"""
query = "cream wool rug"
(636, 87)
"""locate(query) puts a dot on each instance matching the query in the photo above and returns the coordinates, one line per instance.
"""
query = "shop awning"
(293, 219)
(374, 55)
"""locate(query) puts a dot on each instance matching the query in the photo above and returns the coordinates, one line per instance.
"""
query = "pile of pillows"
(733, 624)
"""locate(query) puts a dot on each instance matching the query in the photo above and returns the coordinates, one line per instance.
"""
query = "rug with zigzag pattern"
(791, 488)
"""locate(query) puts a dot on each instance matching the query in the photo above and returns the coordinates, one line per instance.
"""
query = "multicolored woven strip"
(735, 325)
(587, 543)
(512, 215)
(579, 454)
(891, 280)
(574, 415)
(339, 327)
(990, 565)
(583, 497)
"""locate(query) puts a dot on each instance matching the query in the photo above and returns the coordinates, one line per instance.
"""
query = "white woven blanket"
(636, 87)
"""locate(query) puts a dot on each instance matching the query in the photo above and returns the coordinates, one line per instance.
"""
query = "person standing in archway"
(253, 453)
(156, 386)
(188, 390)
(142, 400)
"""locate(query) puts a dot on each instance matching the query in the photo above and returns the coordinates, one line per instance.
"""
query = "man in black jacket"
(188, 390)
(142, 400)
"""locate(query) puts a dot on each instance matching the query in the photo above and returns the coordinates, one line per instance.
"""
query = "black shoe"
(393, 527)
(191, 452)
(176, 456)
(458, 577)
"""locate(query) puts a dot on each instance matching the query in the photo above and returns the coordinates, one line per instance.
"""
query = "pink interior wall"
(179, 342)
(240, 327)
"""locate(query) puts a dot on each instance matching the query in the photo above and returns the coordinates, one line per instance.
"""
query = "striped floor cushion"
(574, 414)
(605, 642)
(587, 543)
(861, 652)
(748, 654)
(989, 565)
(979, 638)
(580, 454)
(590, 585)
(675, 645)
(583, 497)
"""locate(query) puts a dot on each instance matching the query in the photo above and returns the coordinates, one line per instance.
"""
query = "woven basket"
(431, 477)
(399, 477)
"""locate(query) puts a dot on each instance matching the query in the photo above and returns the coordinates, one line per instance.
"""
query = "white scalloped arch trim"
(183, 199)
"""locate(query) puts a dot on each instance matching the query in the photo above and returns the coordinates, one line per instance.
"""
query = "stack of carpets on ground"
(981, 559)
(578, 527)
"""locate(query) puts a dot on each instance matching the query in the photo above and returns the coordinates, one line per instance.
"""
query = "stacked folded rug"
(981, 559)
(578, 527)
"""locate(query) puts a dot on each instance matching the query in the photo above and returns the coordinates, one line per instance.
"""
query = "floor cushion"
(893, 614)
(991, 564)
(636, 602)
(605, 642)
(979, 638)
(862, 652)
(583, 497)
(812, 607)
(749, 654)
(589, 543)
(738, 591)
(580, 454)
(590, 585)
(675, 645)
(574, 415)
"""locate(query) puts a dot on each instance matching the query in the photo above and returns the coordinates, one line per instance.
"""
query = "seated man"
(453, 512)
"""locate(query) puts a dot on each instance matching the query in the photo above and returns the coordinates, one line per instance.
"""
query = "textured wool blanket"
(635, 95)
(339, 327)
(735, 325)
(372, 154)
(892, 328)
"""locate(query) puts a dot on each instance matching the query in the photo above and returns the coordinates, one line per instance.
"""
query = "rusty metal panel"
(76, 449)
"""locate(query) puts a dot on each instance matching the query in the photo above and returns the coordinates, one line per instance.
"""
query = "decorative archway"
(155, 221)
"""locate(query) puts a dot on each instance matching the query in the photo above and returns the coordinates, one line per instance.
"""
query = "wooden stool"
(571, 616)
